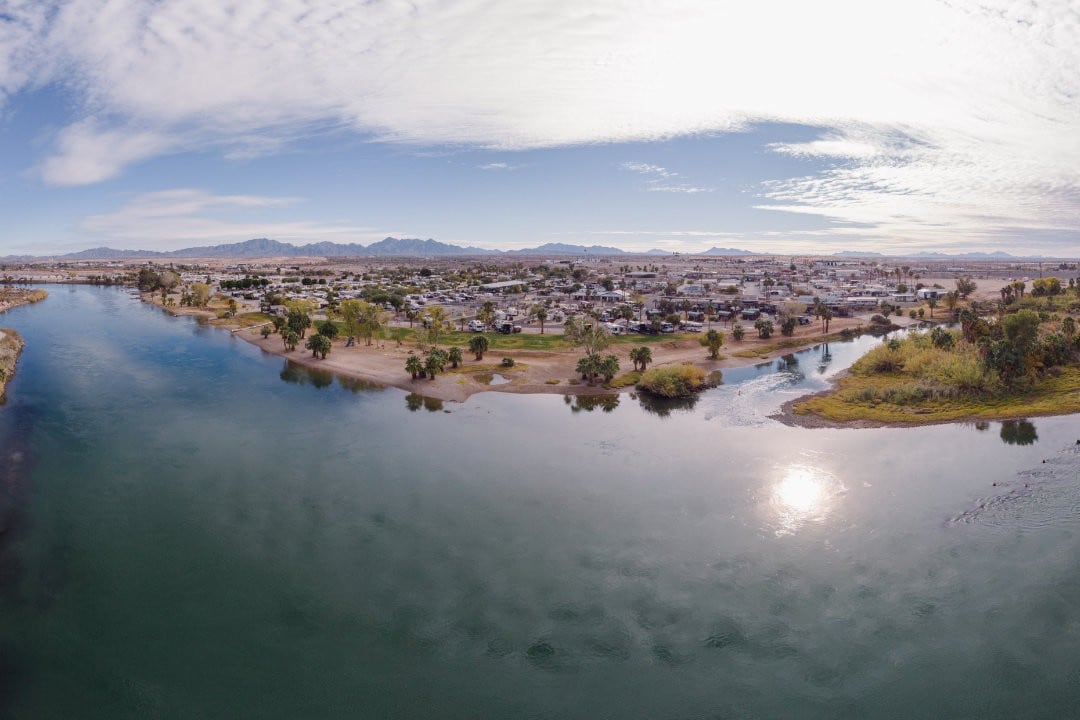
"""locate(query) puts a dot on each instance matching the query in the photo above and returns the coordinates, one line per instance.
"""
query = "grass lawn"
(1050, 396)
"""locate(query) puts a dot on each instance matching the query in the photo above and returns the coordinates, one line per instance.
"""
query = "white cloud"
(497, 166)
(659, 177)
(88, 154)
(986, 93)
(169, 219)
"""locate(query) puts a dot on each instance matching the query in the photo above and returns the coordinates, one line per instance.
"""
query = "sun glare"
(803, 494)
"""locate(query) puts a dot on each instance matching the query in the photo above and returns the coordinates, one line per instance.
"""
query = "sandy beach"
(534, 371)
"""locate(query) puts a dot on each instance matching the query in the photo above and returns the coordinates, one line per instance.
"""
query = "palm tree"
(641, 356)
(478, 345)
(454, 356)
(931, 302)
(541, 315)
(414, 366)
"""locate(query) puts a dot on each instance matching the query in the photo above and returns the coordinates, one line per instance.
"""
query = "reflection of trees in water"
(826, 358)
(588, 403)
(789, 365)
(665, 406)
(414, 402)
(300, 375)
(357, 385)
(1018, 432)
(981, 425)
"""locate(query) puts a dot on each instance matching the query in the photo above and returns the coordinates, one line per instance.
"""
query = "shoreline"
(535, 371)
(11, 342)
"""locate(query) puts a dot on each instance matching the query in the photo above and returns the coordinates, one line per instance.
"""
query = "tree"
(455, 356)
(279, 323)
(1068, 327)
(965, 286)
(350, 311)
(641, 356)
(328, 329)
(414, 366)
(594, 338)
(478, 345)
(266, 331)
(738, 332)
(370, 321)
(764, 328)
(931, 302)
(1021, 330)
(609, 367)
(713, 340)
(435, 362)
(437, 322)
(319, 345)
(290, 338)
(200, 294)
(589, 367)
(487, 313)
(541, 314)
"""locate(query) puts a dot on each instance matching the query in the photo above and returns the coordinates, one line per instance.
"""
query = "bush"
(673, 381)
(507, 362)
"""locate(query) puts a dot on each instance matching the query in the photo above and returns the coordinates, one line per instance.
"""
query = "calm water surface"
(192, 529)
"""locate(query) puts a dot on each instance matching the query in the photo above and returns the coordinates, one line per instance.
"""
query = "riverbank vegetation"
(11, 345)
(1021, 358)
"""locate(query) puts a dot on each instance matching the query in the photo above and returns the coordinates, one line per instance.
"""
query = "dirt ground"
(534, 371)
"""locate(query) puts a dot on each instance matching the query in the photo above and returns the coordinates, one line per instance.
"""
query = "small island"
(1016, 357)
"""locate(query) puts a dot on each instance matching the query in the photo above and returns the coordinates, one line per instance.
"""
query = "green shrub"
(507, 362)
(673, 381)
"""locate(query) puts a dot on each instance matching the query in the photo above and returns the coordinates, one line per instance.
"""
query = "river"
(194, 529)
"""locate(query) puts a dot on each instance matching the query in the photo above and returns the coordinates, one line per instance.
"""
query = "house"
(929, 293)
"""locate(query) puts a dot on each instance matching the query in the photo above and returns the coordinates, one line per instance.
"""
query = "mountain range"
(414, 247)
(387, 247)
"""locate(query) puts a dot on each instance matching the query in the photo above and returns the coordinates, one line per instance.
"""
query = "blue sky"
(771, 126)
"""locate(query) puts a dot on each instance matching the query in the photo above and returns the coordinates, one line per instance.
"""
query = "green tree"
(931, 302)
(952, 299)
(414, 366)
(319, 345)
(266, 331)
(589, 367)
(541, 314)
(738, 332)
(609, 367)
(590, 336)
(370, 321)
(455, 356)
(478, 345)
(290, 338)
(764, 328)
(1021, 330)
(435, 362)
(200, 294)
(965, 286)
(279, 322)
(714, 340)
(437, 322)
(487, 313)
(328, 329)
(641, 356)
(350, 311)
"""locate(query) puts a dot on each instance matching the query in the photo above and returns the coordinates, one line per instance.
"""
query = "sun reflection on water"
(803, 494)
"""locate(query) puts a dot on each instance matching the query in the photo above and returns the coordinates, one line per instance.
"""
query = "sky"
(779, 126)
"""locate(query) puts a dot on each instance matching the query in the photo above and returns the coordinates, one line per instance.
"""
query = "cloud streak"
(936, 118)
(168, 219)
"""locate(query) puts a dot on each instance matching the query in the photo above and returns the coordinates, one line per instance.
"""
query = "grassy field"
(915, 382)
(1050, 396)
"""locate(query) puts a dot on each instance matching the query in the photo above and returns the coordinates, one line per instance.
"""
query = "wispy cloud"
(660, 179)
(169, 218)
(498, 166)
(986, 93)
